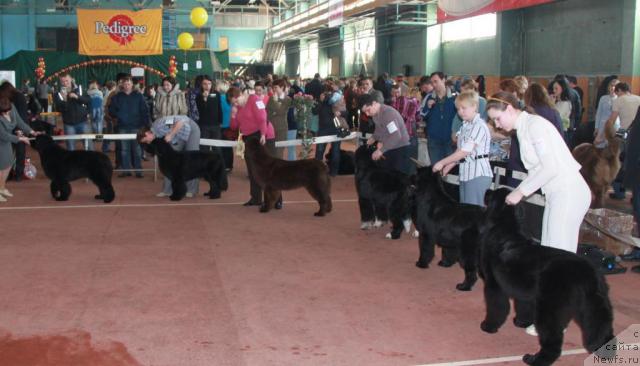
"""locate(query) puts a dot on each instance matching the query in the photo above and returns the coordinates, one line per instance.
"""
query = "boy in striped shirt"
(474, 140)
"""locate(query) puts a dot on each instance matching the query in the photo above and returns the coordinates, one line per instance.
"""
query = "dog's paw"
(213, 196)
(529, 359)
(446, 264)
(319, 214)
(421, 264)
(407, 225)
(98, 196)
(521, 324)
(489, 328)
(175, 197)
(388, 236)
(264, 209)
(463, 287)
(416, 234)
(378, 224)
(366, 225)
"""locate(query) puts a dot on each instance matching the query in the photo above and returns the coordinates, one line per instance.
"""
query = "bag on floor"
(30, 170)
(240, 146)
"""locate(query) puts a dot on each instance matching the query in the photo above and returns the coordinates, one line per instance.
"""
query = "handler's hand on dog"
(377, 155)
(437, 167)
(168, 138)
(514, 197)
(599, 139)
(447, 169)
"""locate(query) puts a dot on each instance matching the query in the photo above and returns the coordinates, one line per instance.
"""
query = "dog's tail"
(595, 316)
(223, 182)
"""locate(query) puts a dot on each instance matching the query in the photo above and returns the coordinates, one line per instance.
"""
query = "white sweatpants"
(563, 214)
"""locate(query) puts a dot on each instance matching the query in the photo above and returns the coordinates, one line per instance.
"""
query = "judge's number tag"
(391, 127)
(260, 104)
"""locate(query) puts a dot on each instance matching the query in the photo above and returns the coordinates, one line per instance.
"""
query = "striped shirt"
(474, 138)
(162, 126)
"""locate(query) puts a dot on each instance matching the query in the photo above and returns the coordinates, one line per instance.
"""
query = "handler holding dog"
(550, 166)
(390, 132)
(184, 135)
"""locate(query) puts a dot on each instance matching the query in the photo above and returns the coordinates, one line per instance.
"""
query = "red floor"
(144, 281)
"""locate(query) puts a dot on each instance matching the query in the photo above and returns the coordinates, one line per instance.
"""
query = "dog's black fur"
(347, 162)
(275, 175)
(453, 226)
(549, 286)
(181, 166)
(62, 166)
(383, 194)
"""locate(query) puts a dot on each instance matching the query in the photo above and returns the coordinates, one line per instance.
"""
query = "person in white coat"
(550, 167)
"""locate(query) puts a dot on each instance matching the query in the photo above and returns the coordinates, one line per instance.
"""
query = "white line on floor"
(137, 205)
(485, 361)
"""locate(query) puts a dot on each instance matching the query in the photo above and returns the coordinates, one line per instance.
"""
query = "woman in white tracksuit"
(550, 166)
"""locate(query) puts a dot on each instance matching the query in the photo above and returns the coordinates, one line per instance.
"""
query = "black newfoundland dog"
(275, 175)
(181, 166)
(453, 226)
(550, 287)
(347, 162)
(62, 166)
(383, 194)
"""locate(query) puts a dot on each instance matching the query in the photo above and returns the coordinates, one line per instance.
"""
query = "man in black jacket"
(73, 104)
(210, 112)
(315, 87)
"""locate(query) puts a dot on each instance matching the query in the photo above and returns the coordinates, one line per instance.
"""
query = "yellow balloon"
(199, 16)
(185, 41)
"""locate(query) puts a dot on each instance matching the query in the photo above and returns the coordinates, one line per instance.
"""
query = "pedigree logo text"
(120, 28)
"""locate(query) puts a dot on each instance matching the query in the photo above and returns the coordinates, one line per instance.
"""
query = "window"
(57, 39)
(480, 26)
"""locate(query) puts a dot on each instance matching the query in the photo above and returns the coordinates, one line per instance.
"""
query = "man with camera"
(73, 105)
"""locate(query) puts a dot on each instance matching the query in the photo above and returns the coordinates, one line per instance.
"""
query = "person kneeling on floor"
(184, 135)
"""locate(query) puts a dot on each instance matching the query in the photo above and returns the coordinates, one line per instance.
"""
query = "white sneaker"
(2, 199)
(531, 330)
(189, 195)
(162, 194)
(5, 192)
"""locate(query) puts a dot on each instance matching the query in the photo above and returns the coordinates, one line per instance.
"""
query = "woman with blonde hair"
(523, 84)
(550, 167)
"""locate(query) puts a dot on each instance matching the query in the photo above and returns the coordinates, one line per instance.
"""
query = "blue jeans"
(76, 129)
(97, 116)
(334, 159)
(291, 135)
(125, 152)
(438, 150)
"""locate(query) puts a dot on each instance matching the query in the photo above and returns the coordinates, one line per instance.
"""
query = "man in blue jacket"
(130, 111)
(438, 113)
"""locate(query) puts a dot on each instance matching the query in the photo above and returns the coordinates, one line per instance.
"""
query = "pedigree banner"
(119, 32)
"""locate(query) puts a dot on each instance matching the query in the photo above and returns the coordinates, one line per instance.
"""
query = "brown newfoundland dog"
(275, 175)
(599, 166)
